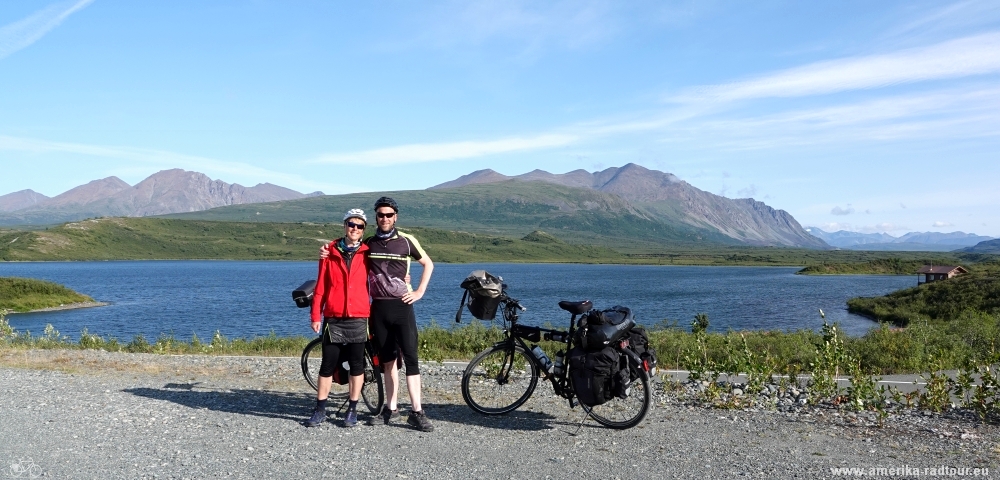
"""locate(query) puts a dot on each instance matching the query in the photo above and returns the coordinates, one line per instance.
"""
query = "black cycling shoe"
(319, 416)
(384, 417)
(420, 421)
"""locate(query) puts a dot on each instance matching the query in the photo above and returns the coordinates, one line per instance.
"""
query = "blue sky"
(866, 116)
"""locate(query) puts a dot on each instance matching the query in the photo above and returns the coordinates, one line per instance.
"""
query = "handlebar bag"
(483, 291)
(303, 295)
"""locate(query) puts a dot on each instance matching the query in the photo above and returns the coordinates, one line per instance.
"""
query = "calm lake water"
(242, 299)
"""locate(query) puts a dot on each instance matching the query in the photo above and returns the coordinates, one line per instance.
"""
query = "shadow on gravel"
(516, 420)
(286, 406)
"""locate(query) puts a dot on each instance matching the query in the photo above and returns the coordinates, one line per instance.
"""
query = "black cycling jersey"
(389, 264)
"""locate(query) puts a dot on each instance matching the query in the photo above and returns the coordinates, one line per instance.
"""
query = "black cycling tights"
(335, 353)
(395, 329)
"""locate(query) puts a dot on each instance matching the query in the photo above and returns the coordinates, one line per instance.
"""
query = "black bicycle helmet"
(387, 202)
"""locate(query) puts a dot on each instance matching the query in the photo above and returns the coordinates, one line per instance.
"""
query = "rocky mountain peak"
(22, 199)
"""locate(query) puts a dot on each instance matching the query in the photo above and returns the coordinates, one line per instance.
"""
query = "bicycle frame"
(516, 334)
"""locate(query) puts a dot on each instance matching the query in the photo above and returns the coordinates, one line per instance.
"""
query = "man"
(341, 308)
(392, 319)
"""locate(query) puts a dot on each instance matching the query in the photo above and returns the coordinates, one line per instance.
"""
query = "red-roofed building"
(933, 273)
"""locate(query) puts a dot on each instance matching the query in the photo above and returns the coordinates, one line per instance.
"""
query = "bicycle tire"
(624, 413)
(312, 356)
(494, 376)
(373, 390)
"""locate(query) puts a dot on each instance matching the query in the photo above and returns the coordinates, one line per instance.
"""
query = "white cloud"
(942, 224)
(968, 112)
(747, 192)
(962, 57)
(431, 152)
(23, 33)
(842, 211)
(882, 228)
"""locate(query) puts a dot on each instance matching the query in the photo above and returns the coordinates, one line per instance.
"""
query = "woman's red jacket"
(341, 291)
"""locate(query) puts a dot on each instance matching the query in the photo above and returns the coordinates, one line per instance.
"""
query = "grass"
(26, 294)
(941, 301)
(882, 350)
(172, 239)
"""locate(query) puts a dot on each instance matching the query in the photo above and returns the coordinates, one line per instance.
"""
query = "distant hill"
(911, 242)
(665, 198)
(19, 200)
(988, 246)
(168, 191)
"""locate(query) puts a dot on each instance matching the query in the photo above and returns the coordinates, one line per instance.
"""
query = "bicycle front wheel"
(621, 413)
(499, 380)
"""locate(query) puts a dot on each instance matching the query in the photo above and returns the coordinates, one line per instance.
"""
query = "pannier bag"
(341, 375)
(592, 375)
(638, 341)
(483, 291)
(601, 328)
(303, 295)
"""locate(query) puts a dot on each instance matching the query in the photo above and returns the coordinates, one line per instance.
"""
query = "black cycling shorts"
(335, 353)
(395, 327)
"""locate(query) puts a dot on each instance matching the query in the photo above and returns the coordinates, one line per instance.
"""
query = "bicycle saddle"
(576, 308)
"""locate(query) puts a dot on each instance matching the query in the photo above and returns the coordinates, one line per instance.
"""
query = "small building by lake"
(933, 273)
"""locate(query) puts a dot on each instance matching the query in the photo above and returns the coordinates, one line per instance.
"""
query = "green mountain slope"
(511, 208)
(158, 238)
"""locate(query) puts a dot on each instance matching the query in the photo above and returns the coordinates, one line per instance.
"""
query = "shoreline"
(66, 306)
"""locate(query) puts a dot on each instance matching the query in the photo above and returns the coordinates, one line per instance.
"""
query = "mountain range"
(666, 198)
(913, 241)
(629, 203)
(167, 191)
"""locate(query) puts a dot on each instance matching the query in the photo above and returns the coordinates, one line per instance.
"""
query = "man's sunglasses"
(359, 226)
(385, 215)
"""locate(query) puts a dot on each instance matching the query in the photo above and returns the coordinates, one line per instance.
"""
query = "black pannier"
(483, 291)
(638, 341)
(601, 328)
(303, 295)
(593, 375)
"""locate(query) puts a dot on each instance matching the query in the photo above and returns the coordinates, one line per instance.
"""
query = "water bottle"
(559, 366)
(542, 358)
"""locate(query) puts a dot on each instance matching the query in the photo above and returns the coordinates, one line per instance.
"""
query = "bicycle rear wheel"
(622, 413)
(373, 390)
(499, 380)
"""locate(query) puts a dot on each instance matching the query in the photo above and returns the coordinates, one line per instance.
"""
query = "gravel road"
(94, 414)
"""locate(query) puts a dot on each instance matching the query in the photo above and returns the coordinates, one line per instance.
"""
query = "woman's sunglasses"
(359, 226)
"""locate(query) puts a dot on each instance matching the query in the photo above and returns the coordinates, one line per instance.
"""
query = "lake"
(247, 298)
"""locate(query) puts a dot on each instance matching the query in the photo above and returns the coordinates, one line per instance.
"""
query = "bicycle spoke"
(498, 381)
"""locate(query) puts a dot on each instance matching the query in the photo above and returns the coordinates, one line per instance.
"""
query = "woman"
(341, 308)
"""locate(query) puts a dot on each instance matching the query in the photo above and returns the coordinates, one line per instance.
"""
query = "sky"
(850, 115)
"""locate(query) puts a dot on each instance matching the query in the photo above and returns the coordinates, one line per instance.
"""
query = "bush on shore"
(27, 294)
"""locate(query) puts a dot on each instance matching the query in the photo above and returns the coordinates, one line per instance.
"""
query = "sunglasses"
(359, 226)
(385, 215)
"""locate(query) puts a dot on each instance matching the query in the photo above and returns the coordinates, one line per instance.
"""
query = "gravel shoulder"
(116, 415)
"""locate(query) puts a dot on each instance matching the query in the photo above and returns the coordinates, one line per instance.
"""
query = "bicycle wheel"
(622, 413)
(373, 391)
(499, 380)
(312, 358)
